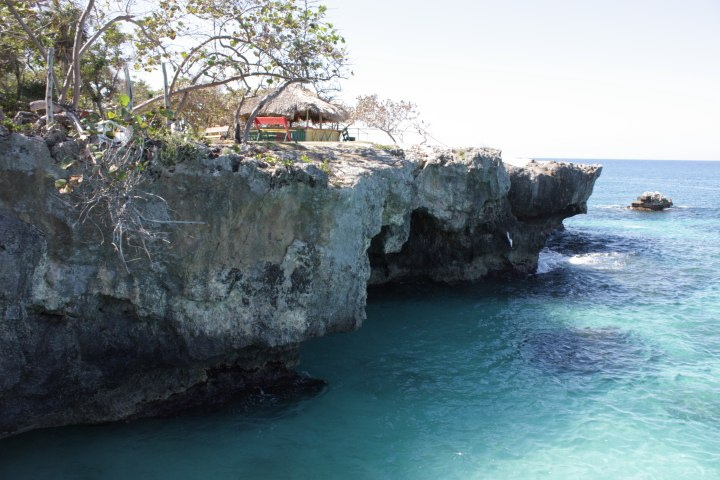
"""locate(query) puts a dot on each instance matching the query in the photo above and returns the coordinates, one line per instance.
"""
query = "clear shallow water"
(604, 365)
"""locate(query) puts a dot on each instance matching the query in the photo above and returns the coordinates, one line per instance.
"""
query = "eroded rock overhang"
(281, 253)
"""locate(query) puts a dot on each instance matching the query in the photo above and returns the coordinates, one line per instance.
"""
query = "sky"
(547, 78)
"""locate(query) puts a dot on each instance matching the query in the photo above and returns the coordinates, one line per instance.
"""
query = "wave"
(550, 260)
(609, 207)
(604, 261)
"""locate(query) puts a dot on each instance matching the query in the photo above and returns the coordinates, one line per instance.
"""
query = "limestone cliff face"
(284, 253)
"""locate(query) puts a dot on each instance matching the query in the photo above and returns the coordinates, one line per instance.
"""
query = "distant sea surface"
(605, 364)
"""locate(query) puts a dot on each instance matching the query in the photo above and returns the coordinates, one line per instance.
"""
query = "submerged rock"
(606, 351)
(652, 201)
(280, 252)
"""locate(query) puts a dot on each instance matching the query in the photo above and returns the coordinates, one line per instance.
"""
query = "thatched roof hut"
(297, 103)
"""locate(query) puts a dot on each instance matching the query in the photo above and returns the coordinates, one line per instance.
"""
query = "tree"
(207, 107)
(19, 73)
(29, 28)
(254, 43)
(389, 116)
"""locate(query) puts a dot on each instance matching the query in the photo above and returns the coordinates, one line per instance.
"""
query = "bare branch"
(90, 41)
(388, 116)
(193, 52)
(168, 222)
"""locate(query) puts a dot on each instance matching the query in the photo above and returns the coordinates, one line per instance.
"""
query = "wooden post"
(49, 110)
(128, 83)
(166, 91)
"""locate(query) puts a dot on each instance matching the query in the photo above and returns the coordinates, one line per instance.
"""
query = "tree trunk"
(96, 98)
(19, 79)
(238, 131)
(391, 137)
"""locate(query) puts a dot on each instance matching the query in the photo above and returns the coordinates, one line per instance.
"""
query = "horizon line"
(629, 159)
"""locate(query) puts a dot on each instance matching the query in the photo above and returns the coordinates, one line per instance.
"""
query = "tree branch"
(27, 29)
(94, 38)
(103, 29)
(216, 83)
(77, 86)
(193, 52)
(185, 96)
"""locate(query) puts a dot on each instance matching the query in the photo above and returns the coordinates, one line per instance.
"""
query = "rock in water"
(609, 352)
(652, 201)
(283, 252)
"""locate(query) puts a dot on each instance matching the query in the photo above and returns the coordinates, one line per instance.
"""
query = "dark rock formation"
(284, 253)
(22, 118)
(654, 201)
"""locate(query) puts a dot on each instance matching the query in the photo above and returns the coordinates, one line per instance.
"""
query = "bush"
(177, 148)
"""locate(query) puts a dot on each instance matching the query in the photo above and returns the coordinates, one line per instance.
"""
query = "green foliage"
(267, 158)
(177, 148)
(255, 42)
(26, 129)
(233, 149)
(22, 64)
(124, 100)
(206, 108)
(325, 166)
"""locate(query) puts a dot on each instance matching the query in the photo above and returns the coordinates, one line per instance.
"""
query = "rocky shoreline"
(277, 254)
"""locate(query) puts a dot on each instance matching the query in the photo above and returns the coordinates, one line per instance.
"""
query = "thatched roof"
(296, 103)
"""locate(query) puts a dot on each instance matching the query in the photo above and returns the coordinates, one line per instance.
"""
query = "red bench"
(261, 122)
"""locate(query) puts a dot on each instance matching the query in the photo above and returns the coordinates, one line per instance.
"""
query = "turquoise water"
(606, 364)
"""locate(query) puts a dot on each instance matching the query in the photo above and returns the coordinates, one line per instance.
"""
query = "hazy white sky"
(546, 78)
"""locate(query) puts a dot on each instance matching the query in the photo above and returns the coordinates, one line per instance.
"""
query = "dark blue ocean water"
(606, 364)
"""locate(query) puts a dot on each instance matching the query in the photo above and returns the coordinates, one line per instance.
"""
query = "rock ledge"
(284, 253)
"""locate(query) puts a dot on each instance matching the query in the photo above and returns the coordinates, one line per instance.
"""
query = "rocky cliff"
(276, 253)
